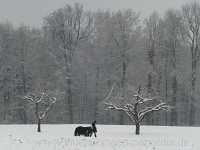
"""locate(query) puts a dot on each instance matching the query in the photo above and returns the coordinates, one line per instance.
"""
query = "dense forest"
(77, 56)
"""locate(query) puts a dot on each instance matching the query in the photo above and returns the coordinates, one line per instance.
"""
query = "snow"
(110, 137)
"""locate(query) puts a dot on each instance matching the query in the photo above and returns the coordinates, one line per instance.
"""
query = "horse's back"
(80, 130)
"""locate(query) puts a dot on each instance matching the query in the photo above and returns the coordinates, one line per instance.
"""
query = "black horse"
(86, 131)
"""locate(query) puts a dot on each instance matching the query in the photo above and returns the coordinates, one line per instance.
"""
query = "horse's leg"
(75, 132)
(87, 133)
(95, 134)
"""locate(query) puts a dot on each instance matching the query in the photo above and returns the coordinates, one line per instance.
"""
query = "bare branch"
(38, 100)
(41, 98)
(43, 114)
(29, 98)
(115, 107)
(160, 106)
(137, 109)
(108, 96)
(142, 99)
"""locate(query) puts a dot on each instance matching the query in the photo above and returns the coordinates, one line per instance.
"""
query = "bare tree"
(152, 33)
(152, 40)
(7, 86)
(171, 43)
(96, 92)
(43, 103)
(137, 108)
(22, 46)
(125, 24)
(191, 35)
(66, 28)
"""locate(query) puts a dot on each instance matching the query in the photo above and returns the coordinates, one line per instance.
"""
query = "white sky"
(31, 12)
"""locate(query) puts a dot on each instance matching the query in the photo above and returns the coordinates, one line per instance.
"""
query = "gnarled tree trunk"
(137, 129)
(39, 125)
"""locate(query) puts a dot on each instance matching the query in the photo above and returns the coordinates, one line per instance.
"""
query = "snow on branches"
(136, 108)
(44, 99)
(43, 103)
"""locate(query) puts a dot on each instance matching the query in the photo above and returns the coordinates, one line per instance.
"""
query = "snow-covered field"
(60, 137)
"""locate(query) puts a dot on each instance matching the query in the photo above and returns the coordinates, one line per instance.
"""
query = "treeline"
(78, 55)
